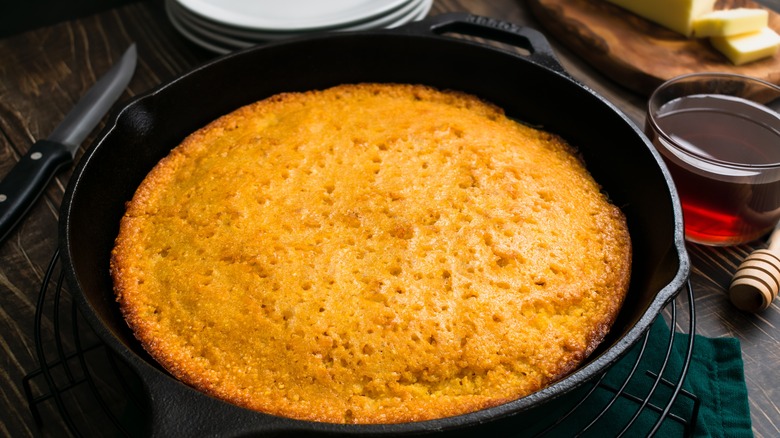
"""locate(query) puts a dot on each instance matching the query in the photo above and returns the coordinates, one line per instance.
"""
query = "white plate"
(211, 46)
(204, 33)
(224, 39)
(289, 15)
(416, 10)
(394, 18)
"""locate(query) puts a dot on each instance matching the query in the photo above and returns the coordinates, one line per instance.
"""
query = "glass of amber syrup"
(719, 134)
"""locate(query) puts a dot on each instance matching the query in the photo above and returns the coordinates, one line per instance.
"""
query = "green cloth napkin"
(715, 377)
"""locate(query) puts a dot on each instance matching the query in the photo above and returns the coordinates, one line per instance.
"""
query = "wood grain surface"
(636, 52)
(44, 72)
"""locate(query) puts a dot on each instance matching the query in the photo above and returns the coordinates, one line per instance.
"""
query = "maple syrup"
(723, 153)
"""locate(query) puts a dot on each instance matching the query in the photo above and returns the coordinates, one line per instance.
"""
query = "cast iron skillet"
(532, 87)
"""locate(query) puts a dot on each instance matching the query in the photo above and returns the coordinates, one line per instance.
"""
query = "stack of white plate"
(223, 26)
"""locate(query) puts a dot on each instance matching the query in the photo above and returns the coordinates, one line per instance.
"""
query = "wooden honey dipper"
(757, 280)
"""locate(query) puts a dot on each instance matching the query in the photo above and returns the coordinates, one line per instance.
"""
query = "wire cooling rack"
(96, 394)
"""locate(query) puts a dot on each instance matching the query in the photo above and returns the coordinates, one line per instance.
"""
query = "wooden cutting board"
(636, 52)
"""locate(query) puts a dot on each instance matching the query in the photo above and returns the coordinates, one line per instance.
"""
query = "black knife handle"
(26, 181)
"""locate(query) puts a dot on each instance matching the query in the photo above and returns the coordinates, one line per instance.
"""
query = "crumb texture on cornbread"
(370, 253)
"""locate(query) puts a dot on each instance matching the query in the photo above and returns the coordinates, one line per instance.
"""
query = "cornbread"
(370, 253)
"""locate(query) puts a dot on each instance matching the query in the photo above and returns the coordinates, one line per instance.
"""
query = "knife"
(22, 186)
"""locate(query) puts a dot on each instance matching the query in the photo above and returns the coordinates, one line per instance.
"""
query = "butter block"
(748, 47)
(677, 15)
(730, 22)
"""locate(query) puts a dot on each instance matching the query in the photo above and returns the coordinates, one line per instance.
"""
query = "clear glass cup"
(719, 134)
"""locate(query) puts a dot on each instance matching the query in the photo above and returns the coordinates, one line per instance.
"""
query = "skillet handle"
(534, 42)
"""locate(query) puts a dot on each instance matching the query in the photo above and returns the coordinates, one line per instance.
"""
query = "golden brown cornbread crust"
(370, 254)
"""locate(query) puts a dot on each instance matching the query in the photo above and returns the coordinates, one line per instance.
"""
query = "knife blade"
(24, 184)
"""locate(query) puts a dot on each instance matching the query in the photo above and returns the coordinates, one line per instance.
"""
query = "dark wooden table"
(44, 71)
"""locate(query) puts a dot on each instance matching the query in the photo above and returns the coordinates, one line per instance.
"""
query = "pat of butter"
(730, 22)
(744, 48)
(677, 15)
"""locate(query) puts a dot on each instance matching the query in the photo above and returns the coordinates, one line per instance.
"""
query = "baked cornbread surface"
(370, 253)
